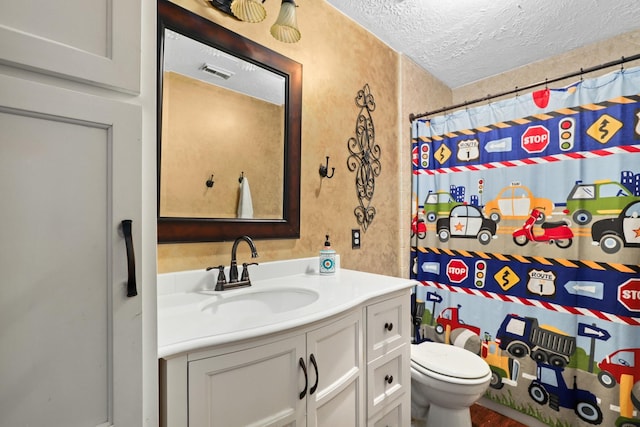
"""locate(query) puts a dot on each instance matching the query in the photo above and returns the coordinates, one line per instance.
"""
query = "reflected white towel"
(245, 205)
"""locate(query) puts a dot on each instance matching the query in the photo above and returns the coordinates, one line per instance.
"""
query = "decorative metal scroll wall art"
(364, 159)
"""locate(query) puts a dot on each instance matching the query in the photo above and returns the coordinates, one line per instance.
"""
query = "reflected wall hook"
(210, 182)
(324, 170)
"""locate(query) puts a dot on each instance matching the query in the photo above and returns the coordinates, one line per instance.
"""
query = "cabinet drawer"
(396, 414)
(388, 377)
(388, 326)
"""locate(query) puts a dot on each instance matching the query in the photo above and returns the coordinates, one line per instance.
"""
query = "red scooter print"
(552, 232)
(418, 227)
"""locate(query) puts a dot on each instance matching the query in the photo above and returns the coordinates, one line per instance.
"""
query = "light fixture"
(248, 10)
(285, 29)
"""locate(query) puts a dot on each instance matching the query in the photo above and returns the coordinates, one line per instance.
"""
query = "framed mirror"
(229, 133)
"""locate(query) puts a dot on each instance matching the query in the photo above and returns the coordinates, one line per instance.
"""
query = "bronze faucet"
(234, 282)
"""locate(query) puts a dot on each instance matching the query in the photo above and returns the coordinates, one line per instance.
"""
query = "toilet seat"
(448, 363)
(445, 381)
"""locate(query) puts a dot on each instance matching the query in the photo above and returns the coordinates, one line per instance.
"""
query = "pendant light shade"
(285, 28)
(248, 10)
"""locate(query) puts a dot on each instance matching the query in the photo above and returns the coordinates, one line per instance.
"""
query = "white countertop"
(184, 326)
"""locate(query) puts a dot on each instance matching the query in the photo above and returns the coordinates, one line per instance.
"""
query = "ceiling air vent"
(216, 71)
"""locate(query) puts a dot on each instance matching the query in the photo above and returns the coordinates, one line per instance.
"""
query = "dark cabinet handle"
(303, 393)
(315, 366)
(132, 290)
(388, 326)
(388, 379)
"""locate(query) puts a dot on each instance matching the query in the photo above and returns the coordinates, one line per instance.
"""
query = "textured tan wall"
(203, 135)
(589, 56)
(338, 59)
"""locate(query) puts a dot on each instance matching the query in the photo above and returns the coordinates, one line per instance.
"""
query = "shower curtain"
(526, 244)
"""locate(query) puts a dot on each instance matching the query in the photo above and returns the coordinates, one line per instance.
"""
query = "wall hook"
(241, 177)
(210, 182)
(324, 170)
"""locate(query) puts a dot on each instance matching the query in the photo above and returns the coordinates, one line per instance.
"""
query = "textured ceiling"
(462, 41)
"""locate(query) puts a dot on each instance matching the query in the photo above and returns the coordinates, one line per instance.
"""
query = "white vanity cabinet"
(339, 361)
(263, 383)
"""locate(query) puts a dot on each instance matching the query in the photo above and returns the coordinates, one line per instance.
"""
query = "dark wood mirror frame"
(176, 230)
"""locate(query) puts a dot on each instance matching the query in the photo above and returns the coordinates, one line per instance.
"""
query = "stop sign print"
(535, 139)
(629, 294)
(457, 270)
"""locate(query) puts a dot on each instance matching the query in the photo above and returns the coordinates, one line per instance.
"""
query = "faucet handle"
(222, 279)
(245, 271)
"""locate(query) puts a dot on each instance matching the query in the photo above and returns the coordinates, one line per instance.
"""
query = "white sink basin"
(252, 302)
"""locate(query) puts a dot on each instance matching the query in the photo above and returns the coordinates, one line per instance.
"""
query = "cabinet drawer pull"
(303, 393)
(132, 290)
(315, 366)
(388, 326)
(388, 379)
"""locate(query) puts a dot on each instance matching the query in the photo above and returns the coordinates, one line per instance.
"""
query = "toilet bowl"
(445, 381)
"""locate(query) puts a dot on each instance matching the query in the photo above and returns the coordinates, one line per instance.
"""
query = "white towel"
(245, 205)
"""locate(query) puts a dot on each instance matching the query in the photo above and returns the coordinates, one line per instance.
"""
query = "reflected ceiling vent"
(217, 71)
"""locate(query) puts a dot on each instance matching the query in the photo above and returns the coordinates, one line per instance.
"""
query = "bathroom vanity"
(295, 348)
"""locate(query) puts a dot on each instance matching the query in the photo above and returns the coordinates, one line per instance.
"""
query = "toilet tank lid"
(449, 360)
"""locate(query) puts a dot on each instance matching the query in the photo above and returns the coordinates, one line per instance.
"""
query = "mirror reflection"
(222, 134)
(228, 108)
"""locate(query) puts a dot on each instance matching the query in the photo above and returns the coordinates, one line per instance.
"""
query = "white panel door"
(70, 338)
(257, 387)
(336, 376)
(92, 41)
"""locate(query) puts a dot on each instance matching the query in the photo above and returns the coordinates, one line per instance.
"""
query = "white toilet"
(445, 381)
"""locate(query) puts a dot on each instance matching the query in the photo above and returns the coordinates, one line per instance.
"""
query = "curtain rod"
(582, 71)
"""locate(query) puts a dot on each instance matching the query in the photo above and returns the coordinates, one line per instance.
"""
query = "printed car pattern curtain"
(526, 241)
